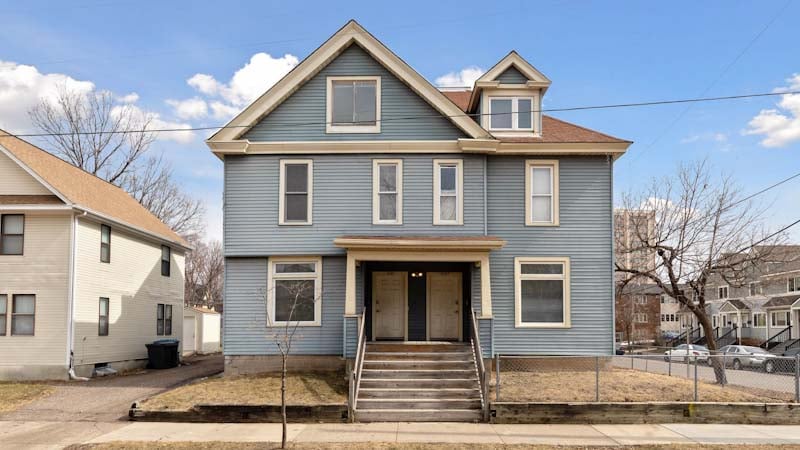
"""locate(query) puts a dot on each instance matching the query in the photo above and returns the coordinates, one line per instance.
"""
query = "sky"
(191, 64)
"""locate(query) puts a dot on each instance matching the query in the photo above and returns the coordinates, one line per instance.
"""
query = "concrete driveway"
(108, 399)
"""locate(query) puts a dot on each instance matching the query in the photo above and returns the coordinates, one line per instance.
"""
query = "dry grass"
(383, 446)
(308, 388)
(620, 385)
(15, 395)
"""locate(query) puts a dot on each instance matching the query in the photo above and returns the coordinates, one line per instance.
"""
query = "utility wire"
(416, 117)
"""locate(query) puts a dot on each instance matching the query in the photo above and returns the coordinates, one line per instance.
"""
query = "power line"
(428, 116)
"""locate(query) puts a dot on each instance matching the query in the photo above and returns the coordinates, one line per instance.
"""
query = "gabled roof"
(781, 300)
(351, 33)
(553, 130)
(519, 63)
(736, 304)
(78, 188)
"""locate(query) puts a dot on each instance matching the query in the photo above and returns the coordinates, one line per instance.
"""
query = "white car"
(687, 351)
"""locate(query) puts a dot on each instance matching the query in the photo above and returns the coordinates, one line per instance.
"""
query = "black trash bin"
(162, 354)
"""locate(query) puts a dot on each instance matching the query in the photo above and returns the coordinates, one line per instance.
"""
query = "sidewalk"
(60, 434)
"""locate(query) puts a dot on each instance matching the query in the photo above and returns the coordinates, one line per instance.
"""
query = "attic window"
(353, 105)
(511, 113)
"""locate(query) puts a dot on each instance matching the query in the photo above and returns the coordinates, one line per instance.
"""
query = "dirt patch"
(15, 395)
(382, 446)
(621, 385)
(310, 388)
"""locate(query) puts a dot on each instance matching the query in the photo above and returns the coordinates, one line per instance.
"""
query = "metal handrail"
(721, 340)
(355, 375)
(765, 344)
(476, 348)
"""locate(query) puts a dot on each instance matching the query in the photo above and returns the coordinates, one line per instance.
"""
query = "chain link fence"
(658, 375)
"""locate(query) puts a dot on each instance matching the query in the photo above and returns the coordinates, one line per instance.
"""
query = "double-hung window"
(722, 292)
(759, 320)
(12, 234)
(3, 313)
(23, 314)
(780, 318)
(541, 193)
(166, 259)
(754, 288)
(387, 191)
(102, 319)
(542, 292)
(511, 113)
(448, 187)
(793, 284)
(296, 192)
(353, 105)
(294, 291)
(163, 319)
(105, 243)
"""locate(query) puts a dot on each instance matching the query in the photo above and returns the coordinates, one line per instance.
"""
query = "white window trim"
(514, 112)
(459, 191)
(331, 128)
(727, 292)
(786, 313)
(282, 191)
(316, 276)
(796, 284)
(750, 286)
(552, 164)
(376, 183)
(518, 277)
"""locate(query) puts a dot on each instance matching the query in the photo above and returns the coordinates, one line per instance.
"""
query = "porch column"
(350, 287)
(486, 288)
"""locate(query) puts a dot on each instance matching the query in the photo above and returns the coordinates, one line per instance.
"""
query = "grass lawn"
(14, 395)
(381, 446)
(621, 385)
(308, 388)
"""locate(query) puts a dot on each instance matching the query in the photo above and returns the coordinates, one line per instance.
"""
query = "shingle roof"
(86, 190)
(783, 300)
(553, 130)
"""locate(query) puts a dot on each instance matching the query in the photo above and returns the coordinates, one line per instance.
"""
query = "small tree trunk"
(711, 343)
(283, 401)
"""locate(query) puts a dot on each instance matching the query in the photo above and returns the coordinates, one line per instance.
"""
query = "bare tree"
(703, 227)
(110, 140)
(625, 311)
(294, 301)
(205, 267)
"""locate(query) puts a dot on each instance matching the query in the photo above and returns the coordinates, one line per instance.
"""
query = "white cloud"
(464, 78)
(246, 84)
(779, 126)
(157, 123)
(705, 137)
(192, 108)
(133, 97)
(23, 86)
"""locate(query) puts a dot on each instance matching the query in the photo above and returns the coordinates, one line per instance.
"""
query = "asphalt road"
(750, 378)
(108, 399)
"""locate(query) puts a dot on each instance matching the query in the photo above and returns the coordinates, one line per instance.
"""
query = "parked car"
(686, 351)
(738, 356)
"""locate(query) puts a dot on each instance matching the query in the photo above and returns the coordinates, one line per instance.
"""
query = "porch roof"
(449, 243)
(781, 301)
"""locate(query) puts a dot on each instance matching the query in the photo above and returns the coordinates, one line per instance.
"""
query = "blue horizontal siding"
(512, 76)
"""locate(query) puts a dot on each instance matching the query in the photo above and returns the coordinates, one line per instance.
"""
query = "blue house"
(404, 229)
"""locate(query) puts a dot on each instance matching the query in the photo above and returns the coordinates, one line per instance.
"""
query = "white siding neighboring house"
(81, 276)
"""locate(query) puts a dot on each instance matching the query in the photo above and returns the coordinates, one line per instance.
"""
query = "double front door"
(443, 304)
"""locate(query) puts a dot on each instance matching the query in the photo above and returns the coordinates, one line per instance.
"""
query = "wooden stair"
(426, 382)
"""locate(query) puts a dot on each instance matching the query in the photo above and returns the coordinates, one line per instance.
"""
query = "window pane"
(160, 327)
(13, 224)
(297, 207)
(388, 206)
(103, 306)
(297, 294)
(160, 312)
(342, 102)
(542, 301)
(165, 268)
(104, 253)
(22, 325)
(165, 251)
(105, 234)
(388, 177)
(540, 269)
(447, 178)
(103, 326)
(168, 312)
(24, 304)
(365, 102)
(541, 209)
(12, 245)
(501, 113)
(3, 304)
(296, 177)
(542, 184)
(447, 208)
(524, 112)
(295, 268)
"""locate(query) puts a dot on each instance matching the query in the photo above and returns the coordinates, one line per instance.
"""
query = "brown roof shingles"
(554, 130)
(87, 190)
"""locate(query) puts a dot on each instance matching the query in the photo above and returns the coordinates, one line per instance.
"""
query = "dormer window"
(511, 113)
(353, 105)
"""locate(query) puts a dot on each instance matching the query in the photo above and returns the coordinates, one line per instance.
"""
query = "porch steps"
(421, 382)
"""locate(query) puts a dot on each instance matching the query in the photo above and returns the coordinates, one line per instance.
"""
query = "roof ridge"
(585, 128)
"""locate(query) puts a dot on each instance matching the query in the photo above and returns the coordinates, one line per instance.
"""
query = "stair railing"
(778, 338)
(727, 338)
(355, 374)
(476, 348)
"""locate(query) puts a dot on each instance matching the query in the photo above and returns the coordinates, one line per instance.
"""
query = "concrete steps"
(418, 383)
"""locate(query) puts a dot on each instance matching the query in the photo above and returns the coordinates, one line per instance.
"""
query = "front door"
(444, 305)
(389, 305)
